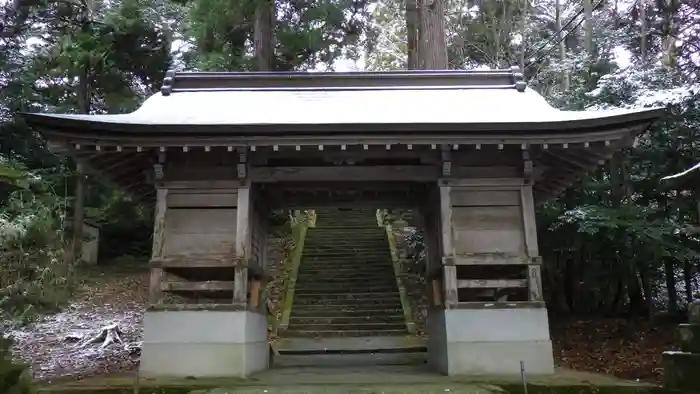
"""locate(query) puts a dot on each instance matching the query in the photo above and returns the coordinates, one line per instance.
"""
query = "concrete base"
(489, 342)
(204, 344)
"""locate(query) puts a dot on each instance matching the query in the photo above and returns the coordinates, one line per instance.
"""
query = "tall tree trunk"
(670, 277)
(669, 31)
(433, 44)
(643, 30)
(588, 27)
(265, 15)
(412, 23)
(562, 44)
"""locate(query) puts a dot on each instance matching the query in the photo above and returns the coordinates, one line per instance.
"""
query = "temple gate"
(471, 151)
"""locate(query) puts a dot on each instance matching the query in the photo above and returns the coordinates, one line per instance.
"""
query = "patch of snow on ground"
(59, 344)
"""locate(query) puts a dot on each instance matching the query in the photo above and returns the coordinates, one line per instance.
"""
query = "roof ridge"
(444, 79)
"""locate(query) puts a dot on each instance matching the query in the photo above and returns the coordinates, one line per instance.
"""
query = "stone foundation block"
(490, 342)
(694, 312)
(681, 371)
(689, 337)
(204, 344)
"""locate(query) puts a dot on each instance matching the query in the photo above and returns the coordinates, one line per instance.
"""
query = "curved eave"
(124, 126)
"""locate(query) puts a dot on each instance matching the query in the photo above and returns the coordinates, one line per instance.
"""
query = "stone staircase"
(347, 308)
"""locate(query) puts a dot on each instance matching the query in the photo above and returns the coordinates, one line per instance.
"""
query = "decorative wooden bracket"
(528, 165)
(158, 173)
(446, 161)
(242, 164)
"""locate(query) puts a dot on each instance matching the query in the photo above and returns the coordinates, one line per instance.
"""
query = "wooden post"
(449, 270)
(530, 229)
(155, 291)
(242, 245)
(78, 214)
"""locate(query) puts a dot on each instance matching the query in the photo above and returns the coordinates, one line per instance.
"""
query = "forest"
(618, 243)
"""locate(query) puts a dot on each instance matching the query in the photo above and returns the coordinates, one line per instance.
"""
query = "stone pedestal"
(490, 341)
(681, 368)
(204, 344)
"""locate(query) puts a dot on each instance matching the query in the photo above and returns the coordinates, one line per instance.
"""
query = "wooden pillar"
(156, 274)
(243, 236)
(530, 231)
(448, 252)
(78, 214)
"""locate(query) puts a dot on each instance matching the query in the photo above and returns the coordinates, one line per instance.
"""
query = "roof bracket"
(446, 161)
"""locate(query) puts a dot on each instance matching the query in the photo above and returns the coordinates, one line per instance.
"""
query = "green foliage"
(14, 376)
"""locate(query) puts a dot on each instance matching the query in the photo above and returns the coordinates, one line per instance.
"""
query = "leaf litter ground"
(57, 345)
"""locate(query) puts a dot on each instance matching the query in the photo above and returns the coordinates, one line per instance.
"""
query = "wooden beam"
(193, 261)
(447, 237)
(485, 183)
(197, 307)
(491, 259)
(500, 305)
(347, 173)
(214, 285)
(491, 283)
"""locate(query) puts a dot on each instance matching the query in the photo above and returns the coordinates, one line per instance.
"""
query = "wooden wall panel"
(199, 231)
(482, 229)
(481, 198)
(187, 199)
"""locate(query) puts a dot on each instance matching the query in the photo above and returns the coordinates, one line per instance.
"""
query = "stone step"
(331, 311)
(364, 326)
(358, 244)
(386, 302)
(309, 321)
(352, 344)
(334, 265)
(368, 280)
(349, 360)
(338, 255)
(349, 273)
(341, 237)
(350, 295)
(307, 288)
(311, 333)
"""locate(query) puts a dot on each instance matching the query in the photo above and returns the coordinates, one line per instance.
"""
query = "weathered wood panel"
(488, 230)
(199, 231)
(183, 172)
(491, 283)
(481, 198)
(201, 199)
(487, 172)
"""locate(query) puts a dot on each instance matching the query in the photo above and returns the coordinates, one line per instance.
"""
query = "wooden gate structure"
(474, 151)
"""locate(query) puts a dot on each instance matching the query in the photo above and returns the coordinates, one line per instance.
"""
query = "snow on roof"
(420, 106)
(496, 97)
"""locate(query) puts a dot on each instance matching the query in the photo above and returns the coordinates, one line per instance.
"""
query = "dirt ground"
(626, 348)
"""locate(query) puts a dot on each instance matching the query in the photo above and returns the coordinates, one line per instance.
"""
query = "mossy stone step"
(349, 326)
(326, 311)
(345, 320)
(342, 302)
(371, 270)
(348, 271)
(331, 290)
(374, 277)
(311, 333)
